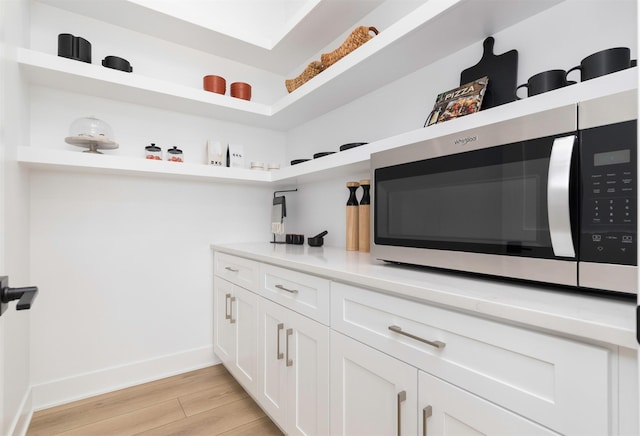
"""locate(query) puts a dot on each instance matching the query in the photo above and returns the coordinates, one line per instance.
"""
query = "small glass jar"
(153, 152)
(174, 154)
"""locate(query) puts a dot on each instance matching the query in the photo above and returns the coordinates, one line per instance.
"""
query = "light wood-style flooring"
(203, 402)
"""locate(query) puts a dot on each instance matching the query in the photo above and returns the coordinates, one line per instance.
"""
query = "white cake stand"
(93, 143)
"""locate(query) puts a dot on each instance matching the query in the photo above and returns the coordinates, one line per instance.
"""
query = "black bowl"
(351, 145)
(315, 242)
(298, 161)
(321, 154)
(117, 63)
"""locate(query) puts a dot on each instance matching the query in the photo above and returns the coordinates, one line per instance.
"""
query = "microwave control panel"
(608, 164)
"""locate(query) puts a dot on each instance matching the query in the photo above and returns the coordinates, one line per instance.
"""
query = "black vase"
(74, 47)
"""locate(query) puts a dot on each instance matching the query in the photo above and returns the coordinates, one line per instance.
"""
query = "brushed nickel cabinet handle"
(426, 414)
(437, 344)
(228, 268)
(289, 333)
(227, 312)
(292, 291)
(231, 320)
(280, 327)
(402, 396)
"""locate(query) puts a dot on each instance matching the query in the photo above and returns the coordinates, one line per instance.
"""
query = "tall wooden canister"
(364, 218)
(352, 217)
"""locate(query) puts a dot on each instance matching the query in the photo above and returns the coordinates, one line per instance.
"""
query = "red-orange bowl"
(215, 84)
(241, 90)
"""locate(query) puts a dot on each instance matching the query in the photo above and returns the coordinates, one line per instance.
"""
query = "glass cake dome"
(91, 133)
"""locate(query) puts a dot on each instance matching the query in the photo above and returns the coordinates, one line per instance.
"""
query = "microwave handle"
(558, 207)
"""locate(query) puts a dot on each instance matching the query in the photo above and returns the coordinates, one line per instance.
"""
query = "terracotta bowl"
(241, 90)
(215, 84)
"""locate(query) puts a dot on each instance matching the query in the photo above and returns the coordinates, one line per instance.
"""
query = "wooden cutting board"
(502, 71)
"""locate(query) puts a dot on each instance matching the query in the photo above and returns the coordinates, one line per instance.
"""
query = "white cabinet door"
(293, 382)
(371, 392)
(235, 331)
(446, 410)
(307, 357)
(223, 330)
(272, 377)
(244, 311)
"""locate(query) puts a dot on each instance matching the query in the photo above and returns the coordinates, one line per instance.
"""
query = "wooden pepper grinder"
(352, 217)
(364, 218)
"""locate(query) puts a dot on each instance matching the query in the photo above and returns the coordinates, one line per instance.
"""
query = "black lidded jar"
(174, 154)
(153, 152)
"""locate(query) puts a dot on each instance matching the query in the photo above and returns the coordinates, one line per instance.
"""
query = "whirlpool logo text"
(465, 141)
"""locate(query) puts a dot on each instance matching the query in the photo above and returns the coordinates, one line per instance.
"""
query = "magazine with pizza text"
(463, 100)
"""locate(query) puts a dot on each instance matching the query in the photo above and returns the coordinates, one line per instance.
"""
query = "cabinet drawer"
(449, 411)
(303, 293)
(560, 383)
(238, 270)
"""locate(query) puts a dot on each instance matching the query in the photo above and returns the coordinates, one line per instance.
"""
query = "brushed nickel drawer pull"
(280, 327)
(228, 268)
(231, 320)
(402, 396)
(426, 414)
(289, 361)
(227, 314)
(437, 344)
(292, 291)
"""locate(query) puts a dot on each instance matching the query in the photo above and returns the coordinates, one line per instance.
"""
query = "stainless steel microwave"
(549, 197)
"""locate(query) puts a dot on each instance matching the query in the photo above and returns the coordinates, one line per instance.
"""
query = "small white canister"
(216, 153)
(235, 156)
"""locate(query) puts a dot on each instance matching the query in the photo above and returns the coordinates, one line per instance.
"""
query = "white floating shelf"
(75, 76)
(340, 164)
(400, 49)
(52, 159)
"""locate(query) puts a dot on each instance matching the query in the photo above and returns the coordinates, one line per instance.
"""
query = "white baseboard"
(93, 383)
(21, 421)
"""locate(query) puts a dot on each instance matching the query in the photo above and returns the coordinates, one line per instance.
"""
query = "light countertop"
(595, 318)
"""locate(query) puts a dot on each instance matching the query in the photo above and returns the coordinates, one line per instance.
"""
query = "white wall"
(126, 273)
(124, 263)
(558, 38)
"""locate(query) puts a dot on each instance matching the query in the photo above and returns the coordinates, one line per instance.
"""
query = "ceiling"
(263, 23)
(274, 35)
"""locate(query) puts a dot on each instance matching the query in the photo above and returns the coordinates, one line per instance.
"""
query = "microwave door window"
(448, 203)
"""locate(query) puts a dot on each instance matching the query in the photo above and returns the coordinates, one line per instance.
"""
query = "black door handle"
(25, 296)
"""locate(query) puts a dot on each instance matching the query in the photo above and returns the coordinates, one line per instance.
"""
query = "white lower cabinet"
(556, 382)
(327, 358)
(235, 331)
(293, 384)
(278, 355)
(371, 393)
(446, 410)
